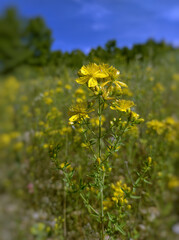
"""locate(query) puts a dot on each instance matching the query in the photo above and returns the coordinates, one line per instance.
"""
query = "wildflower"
(79, 91)
(5, 140)
(170, 121)
(45, 146)
(149, 160)
(65, 130)
(157, 126)
(46, 94)
(103, 168)
(107, 203)
(122, 105)
(85, 145)
(79, 112)
(134, 115)
(173, 182)
(59, 90)
(30, 187)
(158, 88)
(99, 160)
(113, 74)
(62, 165)
(90, 73)
(68, 87)
(48, 100)
(119, 194)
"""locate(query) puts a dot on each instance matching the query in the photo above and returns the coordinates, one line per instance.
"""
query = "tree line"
(29, 41)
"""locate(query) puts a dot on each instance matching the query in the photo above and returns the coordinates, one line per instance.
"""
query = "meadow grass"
(48, 168)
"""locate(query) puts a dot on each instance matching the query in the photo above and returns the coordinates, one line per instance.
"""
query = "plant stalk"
(103, 174)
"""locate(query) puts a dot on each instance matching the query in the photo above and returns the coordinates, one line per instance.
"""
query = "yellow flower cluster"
(158, 88)
(103, 80)
(119, 196)
(80, 95)
(79, 112)
(99, 76)
(173, 182)
(122, 105)
(167, 127)
(90, 74)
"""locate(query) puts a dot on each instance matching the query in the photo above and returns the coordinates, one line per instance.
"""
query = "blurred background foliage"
(28, 42)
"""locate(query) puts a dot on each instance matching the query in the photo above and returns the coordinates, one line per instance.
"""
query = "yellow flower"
(99, 160)
(149, 159)
(62, 165)
(122, 105)
(90, 73)
(48, 100)
(157, 126)
(68, 87)
(173, 182)
(5, 140)
(79, 112)
(158, 88)
(170, 121)
(85, 145)
(79, 91)
(107, 204)
(113, 74)
(45, 146)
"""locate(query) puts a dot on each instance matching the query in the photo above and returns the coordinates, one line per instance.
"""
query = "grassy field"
(48, 173)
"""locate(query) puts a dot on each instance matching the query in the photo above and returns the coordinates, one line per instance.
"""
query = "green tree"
(12, 50)
(38, 39)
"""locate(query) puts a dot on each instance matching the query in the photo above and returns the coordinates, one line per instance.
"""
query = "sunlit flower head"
(79, 112)
(113, 75)
(90, 74)
(122, 105)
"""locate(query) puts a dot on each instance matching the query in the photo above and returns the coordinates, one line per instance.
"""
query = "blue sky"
(85, 24)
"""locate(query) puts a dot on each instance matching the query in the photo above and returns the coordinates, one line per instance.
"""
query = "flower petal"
(122, 84)
(82, 80)
(84, 71)
(105, 83)
(100, 74)
(92, 82)
(74, 118)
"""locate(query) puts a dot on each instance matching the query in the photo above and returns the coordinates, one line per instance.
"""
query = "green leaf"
(147, 181)
(92, 141)
(119, 228)
(137, 181)
(110, 216)
(135, 197)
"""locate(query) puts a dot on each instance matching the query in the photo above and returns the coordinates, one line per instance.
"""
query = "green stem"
(115, 144)
(103, 174)
(86, 202)
(65, 195)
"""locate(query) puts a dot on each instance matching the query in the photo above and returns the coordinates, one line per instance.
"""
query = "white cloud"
(95, 10)
(99, 26)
